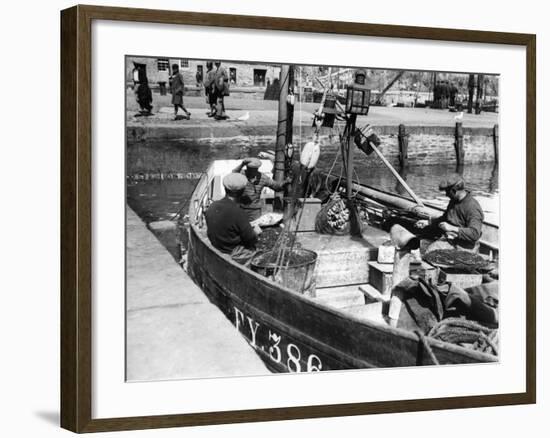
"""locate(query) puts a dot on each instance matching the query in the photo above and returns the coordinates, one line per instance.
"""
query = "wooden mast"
(282, 122)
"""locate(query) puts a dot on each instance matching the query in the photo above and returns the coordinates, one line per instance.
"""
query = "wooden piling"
(459, 144)
(403, 140)
(471, 86)
(495, 141)
(479, 93)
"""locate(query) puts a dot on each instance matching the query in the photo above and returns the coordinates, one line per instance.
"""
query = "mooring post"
(403, 140)
(471, 86)
(479, 93)
(495, 141)
(459, 144)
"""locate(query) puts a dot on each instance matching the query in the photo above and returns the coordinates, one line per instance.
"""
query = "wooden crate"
(460, 279)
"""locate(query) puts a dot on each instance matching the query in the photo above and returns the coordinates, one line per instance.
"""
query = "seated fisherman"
(256, 181)
(460, 224)
(228, 227)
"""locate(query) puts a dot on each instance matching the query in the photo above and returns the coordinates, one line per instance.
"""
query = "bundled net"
(334, 217)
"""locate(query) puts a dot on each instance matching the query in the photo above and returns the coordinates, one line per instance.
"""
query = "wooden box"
(460, 279)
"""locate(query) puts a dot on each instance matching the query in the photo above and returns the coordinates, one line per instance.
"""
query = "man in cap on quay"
(228, 227)
(221, 89)
(462, 221)
(255, 183)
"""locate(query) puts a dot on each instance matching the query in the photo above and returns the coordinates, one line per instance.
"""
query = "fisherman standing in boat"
(462, 221)
(229, 229)
(256, 181)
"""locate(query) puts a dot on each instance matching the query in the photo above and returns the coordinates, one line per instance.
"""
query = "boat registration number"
(279, 350)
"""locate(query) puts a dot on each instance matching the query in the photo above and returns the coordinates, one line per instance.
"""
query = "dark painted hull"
(293, 333)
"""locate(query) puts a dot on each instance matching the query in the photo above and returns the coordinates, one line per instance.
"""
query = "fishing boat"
(342, 323)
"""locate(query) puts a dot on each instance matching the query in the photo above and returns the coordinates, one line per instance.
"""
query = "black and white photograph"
(287, 218)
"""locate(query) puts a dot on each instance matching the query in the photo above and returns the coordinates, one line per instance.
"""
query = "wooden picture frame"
(76, 217)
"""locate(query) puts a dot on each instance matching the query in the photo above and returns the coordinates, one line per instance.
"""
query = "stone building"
(241, 75)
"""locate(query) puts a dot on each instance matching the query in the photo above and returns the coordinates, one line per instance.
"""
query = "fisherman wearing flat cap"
(255, 182)
(229, 229)
(462, 221)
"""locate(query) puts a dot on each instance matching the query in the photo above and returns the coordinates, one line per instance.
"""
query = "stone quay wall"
(436, 145)
(427, 145)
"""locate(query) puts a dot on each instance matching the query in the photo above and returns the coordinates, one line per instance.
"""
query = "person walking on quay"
(255, 182)
(177, 88)
(445, 94)
(221, 85)
(453, 94)
(437, 95)
(198, 77)
(209, 90)
(144, 96)
(460, 226)
(229, 230)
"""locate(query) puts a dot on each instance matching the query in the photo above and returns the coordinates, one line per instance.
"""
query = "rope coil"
(463, 331)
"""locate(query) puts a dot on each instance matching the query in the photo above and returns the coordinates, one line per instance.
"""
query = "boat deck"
(343, 260)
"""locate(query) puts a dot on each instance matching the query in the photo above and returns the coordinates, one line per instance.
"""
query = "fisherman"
(255, 183)
(460, 224)
(229, 229)
(221, 86)
(177, 88)
(209, 92)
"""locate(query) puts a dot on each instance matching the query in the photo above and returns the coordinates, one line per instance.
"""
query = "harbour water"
(161, 175)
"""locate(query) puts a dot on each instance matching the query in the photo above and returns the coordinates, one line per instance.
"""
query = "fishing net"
(456, 259)
(334, 218)
(270, 238)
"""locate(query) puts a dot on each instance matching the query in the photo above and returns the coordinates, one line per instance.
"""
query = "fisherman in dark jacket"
(460, 226)
(229, 230)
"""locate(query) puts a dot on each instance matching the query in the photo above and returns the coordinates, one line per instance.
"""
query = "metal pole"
(349, 166)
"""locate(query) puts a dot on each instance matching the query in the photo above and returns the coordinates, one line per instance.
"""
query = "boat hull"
(293, 333)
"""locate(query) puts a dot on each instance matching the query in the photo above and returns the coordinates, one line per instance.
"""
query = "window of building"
(259, 77)
(232, 75)
(163, 64)
(184, 63)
